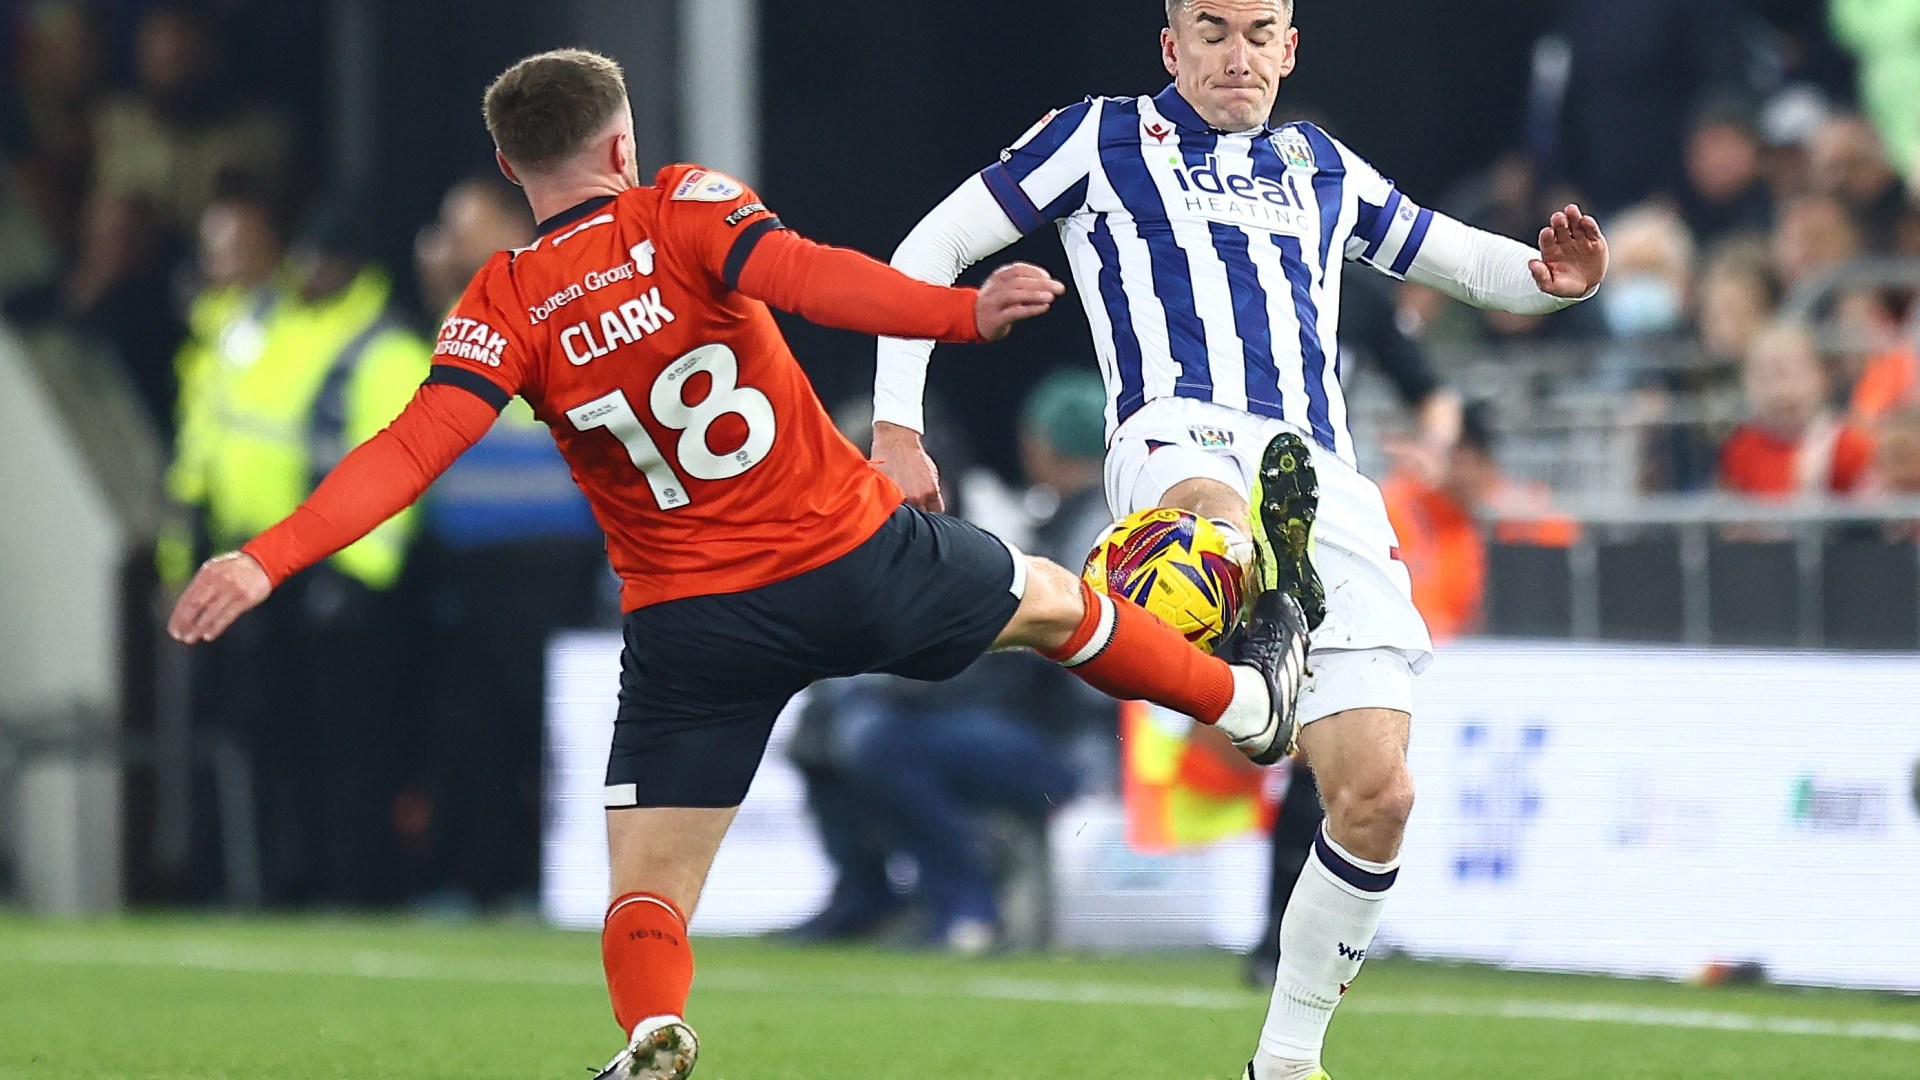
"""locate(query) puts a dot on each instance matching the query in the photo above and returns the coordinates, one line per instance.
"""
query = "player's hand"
(227, 587)
(1573, 255)
(898, 455)
(1014, 292)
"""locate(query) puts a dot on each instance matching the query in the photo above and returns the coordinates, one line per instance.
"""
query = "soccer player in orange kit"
(758, 550)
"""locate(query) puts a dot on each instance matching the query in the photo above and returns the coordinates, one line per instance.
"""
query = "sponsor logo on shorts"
(1211, 438)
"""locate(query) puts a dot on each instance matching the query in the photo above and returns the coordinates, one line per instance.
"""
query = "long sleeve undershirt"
(1468, 264)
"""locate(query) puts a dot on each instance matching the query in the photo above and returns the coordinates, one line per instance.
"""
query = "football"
(1177, 566)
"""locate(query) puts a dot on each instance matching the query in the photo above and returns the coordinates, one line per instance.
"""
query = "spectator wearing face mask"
(1794, 444)
(1645, 304)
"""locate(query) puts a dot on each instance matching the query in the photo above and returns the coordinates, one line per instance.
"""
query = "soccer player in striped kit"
(1207, 249)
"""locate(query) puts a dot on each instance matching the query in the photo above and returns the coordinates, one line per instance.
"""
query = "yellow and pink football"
(1177, 566)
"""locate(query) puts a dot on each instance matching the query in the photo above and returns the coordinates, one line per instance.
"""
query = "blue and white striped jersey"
(1209, 263)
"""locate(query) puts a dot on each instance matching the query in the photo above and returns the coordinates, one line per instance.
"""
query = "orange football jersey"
(682, 412)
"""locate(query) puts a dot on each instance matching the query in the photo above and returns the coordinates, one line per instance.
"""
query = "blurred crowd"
(1758, 173)
(1755, 165)
(386, 705)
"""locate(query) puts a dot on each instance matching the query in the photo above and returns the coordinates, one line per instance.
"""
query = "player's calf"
(660, 856)
(1051, 609)
(1125, 653)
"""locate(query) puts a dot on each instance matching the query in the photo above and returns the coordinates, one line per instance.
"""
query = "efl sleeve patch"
(702, 185)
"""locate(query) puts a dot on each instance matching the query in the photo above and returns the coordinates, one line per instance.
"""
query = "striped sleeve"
(1043, 177)
(1390, 228)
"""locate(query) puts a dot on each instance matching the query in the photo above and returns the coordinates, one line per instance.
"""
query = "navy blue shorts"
(702, 679)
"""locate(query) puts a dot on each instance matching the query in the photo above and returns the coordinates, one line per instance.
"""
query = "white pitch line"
(376, 964)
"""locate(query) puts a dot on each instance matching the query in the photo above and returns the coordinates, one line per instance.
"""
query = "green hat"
(1069, 410)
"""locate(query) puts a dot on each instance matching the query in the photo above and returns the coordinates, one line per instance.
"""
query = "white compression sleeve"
(1479, 268)
(967, 227)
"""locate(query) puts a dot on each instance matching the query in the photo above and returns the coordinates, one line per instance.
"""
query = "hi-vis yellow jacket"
(273, 393)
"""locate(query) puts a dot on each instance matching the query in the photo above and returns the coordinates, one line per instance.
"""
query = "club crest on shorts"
(1211, 438)
(1294, 149)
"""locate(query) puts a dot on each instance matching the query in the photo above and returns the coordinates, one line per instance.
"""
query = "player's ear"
(1292, 57)
(1169, 56)
(620, 153)
(506, 167)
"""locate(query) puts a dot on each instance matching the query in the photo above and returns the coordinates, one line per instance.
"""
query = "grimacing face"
(1227, 57)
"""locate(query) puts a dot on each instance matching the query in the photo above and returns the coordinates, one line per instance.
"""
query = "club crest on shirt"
(703, 186)
(1294, 149)
(1211, 438)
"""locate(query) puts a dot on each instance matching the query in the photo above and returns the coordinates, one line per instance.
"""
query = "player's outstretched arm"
(1489, 271)
(848, 290)
(381, 477)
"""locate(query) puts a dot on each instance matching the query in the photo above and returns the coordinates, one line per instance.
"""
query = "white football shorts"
(1373, 642)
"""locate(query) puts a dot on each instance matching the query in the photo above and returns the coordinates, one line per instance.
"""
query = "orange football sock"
(648, 959)
(1125, 653)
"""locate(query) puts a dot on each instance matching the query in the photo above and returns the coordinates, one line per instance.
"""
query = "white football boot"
(663, 1048)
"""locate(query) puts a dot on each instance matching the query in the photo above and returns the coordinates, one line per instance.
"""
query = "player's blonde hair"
(544, 109)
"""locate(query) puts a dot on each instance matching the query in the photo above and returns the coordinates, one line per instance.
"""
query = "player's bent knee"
(1209, 499)
(1372, 812)
(1050, 611)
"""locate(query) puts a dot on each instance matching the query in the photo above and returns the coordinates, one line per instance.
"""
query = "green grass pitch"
(213, 999)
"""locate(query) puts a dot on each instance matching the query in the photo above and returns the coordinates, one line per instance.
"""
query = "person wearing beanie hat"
(1063, 435)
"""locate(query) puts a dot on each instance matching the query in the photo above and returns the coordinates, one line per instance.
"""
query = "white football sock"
(1251, 709)
(1324, 936)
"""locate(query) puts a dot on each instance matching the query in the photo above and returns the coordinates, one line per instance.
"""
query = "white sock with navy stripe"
(1324, 937)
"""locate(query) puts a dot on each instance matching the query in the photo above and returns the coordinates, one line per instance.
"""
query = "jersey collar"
(571, 214)
(1175, 108)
